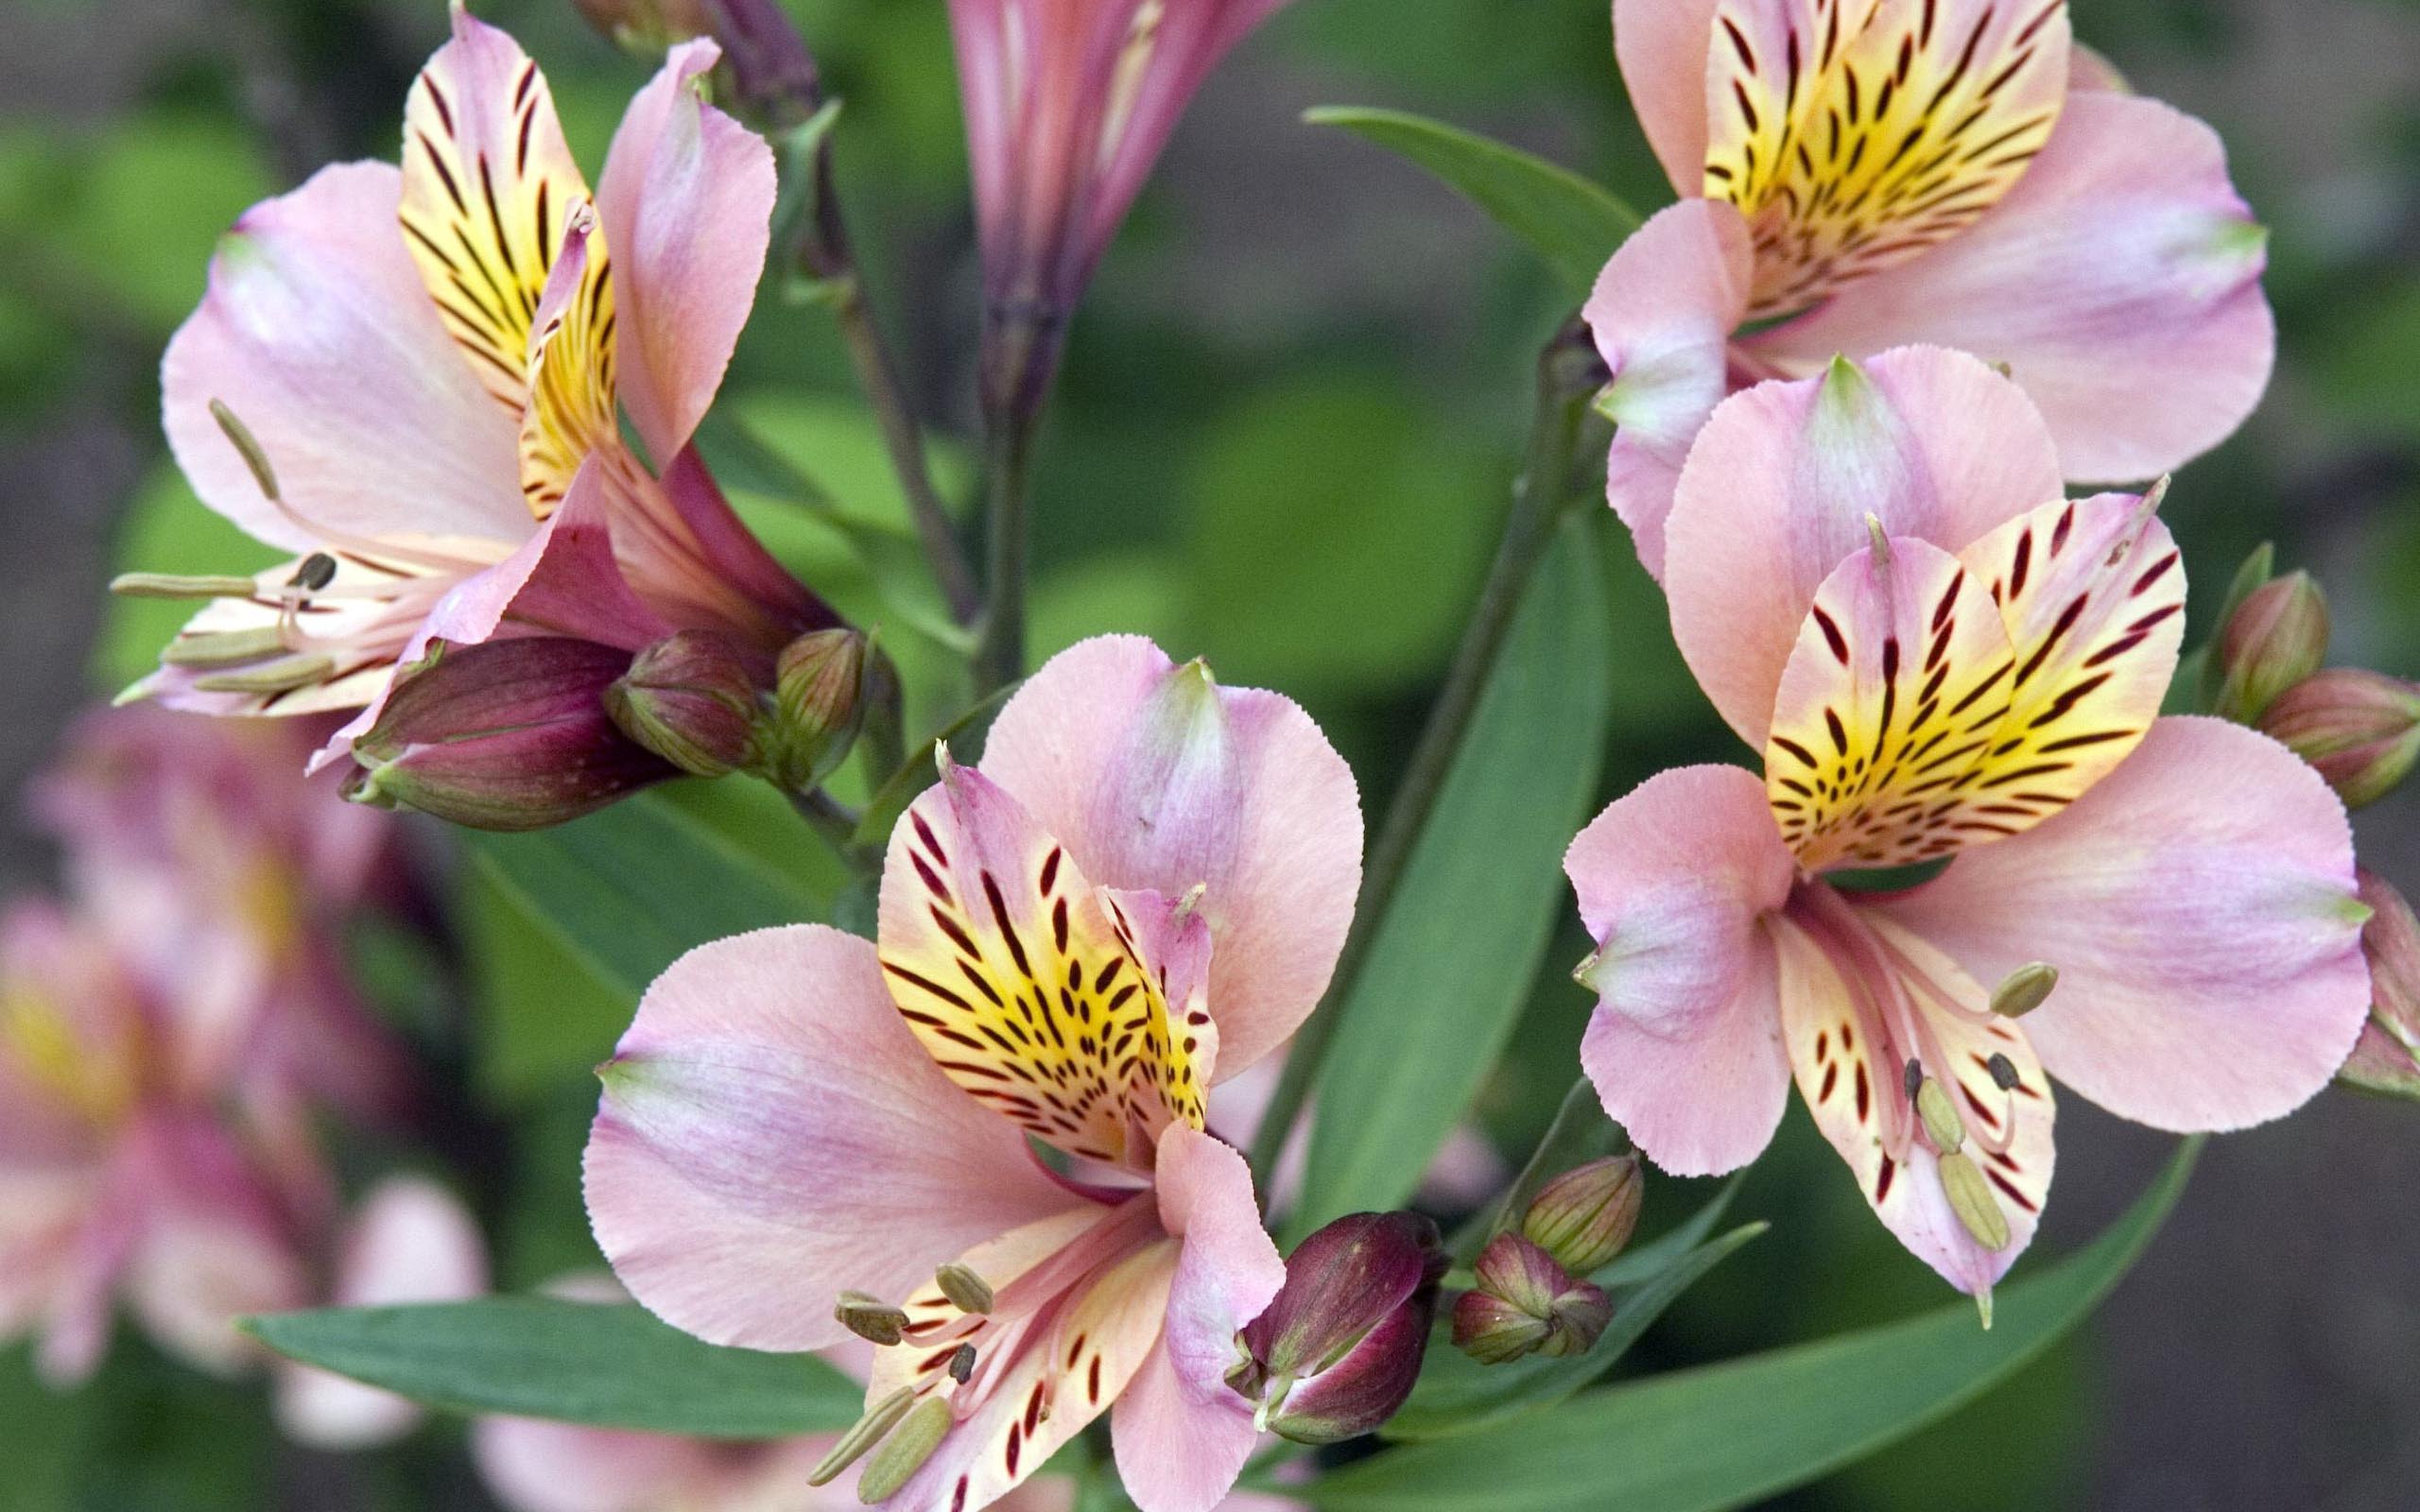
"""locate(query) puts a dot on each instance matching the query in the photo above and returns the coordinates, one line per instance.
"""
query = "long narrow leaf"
(1451, 966)
(1570, 222)
(610, 1367)
(1729, 1435)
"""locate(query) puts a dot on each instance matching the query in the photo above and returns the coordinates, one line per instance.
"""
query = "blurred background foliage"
(1284, 439)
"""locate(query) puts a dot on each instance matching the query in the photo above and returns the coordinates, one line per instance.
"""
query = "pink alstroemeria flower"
(117, 1178)
(1141, 891)
(1860, 174)
(433, 362)
(226, 883)
(1068, 104)
(1875, 579)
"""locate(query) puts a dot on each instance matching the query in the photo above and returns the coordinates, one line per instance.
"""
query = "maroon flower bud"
(2361, 729)
(2386, 1058)
(646, 26)
(508, 735)
(1337, 1352)
(822, 687)
(1587, 1216)
(689, 698)
(1524, 1303)
(2276, 638)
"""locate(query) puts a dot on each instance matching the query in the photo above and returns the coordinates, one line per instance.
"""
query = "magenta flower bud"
(689, 698)
(1587, 1216)
(822, 686)
(506, 735)
(1068, 107)
(1524, 1303)
(2274, 639)
(1338, 1350)
(2359, 728)
(2386, 1058)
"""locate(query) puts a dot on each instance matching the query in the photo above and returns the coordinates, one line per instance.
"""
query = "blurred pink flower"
(226, 882)
(430, 363)
(118, 1180)
(1857, 174)
(1875, 579)
(1068, 104)
(1142, 889)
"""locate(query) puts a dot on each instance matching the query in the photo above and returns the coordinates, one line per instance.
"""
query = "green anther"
(1941, 1121)
(220, 648)
(1962, 1183)
(966, 1291)
(862, 1435)
(175, 585)
(284, 675)
(2025, 989)
(241, 436)
(871, 1318)
(904, 1451)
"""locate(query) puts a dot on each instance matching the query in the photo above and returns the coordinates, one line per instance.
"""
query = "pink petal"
(1182, 1434)
(1685, 1047)
(564, 581)
(1663, 313)
(1779, 486)
(1662, 48)
(215, 1244)
(1156, 777)
(687, 203)
(410, 1240)
(2120, 281)
(319, 335)
(2200, 905)
(771, 1135)
(546, 1467)
(760, 596)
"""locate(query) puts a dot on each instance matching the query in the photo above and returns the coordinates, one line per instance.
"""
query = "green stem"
(1563, 437)
(836, 824)
(999, 656)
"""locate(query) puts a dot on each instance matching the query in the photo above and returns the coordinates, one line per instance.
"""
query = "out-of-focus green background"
(1284, 437)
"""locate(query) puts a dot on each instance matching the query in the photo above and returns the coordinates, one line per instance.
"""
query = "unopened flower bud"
(689, 698)
(648, 27)
(2386, 1058)
(1585, 1216)
(1335, 1352)
(508, 735)
(2276, 638)
(1524, 1303)
(822, 689)
(2359, 728)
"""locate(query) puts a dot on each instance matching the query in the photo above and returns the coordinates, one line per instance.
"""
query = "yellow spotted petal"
(571, 369)
(2093, 595)
(1853, 134)
(1042, 995)
(1892, 695)
(489, 188)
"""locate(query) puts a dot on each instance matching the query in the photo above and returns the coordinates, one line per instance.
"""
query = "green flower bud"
(2361, 729)
(1585, 1216)
(689, 700)
(2276, 638)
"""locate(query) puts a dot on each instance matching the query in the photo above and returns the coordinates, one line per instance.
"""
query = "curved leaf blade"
(1728, 1434)
(1568, 221)
(1451, 966)
(607, 1367)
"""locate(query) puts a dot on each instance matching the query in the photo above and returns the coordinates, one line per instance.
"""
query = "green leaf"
(628, 890)
(608, 1366)
(1729, 1434)
(1457, 1395)
(1450, 967)
(1580, 1133)
(963, 735)
(1574, 224)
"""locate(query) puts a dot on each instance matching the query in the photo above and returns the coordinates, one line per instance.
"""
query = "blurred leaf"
(1580, 1133)
(1729, 1434)
(1131, 594)
(626, 891)
(1335, 535)
(150, 201)
(608, 1366)
(1457, 1395)
(835, 444)
(167, 530)
(1450, 967)
(1574, 224)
